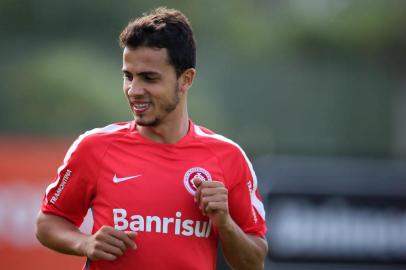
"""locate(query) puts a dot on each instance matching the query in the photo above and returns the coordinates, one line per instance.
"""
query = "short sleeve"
(245, 203)
(70, 195)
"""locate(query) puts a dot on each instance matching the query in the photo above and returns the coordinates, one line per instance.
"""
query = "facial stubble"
(167, 108)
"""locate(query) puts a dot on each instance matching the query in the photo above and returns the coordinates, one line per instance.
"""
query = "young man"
(163, 191)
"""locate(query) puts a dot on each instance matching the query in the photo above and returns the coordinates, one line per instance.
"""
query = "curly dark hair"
(163, 28)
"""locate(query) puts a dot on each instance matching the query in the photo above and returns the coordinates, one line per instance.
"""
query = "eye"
(127, 76)
(149, 78)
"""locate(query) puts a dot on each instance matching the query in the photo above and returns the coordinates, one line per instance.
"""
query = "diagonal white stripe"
(258, 205)
(107, 129)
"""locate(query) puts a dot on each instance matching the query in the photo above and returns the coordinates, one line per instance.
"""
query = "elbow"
(251, 265)
(257, 261)
(40, 229)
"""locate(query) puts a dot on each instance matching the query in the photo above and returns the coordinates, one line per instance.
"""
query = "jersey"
(132, 183)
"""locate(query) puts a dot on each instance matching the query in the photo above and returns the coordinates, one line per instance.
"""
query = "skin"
(241, 250)
(61, 235)
(150, 79)
(158, 100)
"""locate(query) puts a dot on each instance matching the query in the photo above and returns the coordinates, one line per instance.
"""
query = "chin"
(147, 123)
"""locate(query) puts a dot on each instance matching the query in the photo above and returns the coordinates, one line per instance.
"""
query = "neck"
(170, 131)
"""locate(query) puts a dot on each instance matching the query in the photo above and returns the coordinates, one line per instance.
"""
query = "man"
(163, 191)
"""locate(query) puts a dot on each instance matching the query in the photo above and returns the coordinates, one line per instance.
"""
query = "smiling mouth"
(140, 108)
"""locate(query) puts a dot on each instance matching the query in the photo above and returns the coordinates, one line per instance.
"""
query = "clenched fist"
(108, 244)
(212, 198)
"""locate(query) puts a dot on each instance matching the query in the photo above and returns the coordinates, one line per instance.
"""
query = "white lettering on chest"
(165, 225)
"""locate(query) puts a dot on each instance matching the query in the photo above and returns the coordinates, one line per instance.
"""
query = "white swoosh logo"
(122, 179)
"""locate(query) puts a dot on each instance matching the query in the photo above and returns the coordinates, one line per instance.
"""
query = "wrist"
(81, 246)
(226, 225)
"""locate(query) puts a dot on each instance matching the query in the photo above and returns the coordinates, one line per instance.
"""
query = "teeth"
(141, 106)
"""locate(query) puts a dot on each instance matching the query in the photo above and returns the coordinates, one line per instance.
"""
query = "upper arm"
(245, 203)
(47, 224)
(48, 221)
(71, 193)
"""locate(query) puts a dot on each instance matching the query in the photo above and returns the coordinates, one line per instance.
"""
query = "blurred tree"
(62, 89)
(316, 76)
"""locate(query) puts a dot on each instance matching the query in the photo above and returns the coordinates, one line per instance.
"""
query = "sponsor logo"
(58, 192)
(195, 172)
(122, 179)
(165, 225)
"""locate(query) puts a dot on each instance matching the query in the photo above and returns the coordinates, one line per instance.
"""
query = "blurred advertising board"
(27, 166)
(348, 210)
(337, 228)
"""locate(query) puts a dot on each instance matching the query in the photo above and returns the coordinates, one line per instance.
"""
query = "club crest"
(197, 172)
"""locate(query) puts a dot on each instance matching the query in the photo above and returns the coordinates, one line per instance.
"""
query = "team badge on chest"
(192, 173)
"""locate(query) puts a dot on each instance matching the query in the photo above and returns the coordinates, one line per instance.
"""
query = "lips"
(140, 107)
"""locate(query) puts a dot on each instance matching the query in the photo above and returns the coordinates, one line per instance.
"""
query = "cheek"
(126, 87)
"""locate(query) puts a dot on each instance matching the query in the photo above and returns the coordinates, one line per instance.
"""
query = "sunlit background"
(313, 90)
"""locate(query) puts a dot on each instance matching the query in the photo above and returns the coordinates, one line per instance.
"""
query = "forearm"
(60, 235)
(242, 251)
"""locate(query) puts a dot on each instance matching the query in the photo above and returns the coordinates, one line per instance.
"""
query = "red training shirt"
(132, 183)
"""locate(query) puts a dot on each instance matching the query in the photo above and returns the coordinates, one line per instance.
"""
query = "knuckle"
(218, 183)
(122, 245)
(97, 245)
(208, 200)
(104, 229)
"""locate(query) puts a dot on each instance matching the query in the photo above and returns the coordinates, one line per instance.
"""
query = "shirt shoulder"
(71, 193)
(245, 202)
(102, 135)
(231, 157)
(219, 144)
(95, 141)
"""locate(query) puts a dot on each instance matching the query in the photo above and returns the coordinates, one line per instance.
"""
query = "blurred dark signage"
(337, 228)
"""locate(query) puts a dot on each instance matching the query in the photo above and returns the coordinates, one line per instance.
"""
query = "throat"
(165, 134)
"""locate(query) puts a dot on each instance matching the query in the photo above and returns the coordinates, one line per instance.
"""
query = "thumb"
(197, 181)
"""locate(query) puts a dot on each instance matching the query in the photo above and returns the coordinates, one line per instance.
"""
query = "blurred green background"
(283, 78)
(319, 77)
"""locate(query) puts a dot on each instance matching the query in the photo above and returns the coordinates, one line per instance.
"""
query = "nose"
(135, 89)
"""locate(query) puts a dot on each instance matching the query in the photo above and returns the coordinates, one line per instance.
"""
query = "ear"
(186, 79)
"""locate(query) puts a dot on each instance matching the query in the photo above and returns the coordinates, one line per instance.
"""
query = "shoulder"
(105, 133)
(99, 138)
(236, 166)
(219, 144)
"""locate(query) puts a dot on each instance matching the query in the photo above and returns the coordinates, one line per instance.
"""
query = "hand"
(108, 244)
(212, 198)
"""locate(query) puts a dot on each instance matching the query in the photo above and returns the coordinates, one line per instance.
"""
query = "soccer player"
(163, 191)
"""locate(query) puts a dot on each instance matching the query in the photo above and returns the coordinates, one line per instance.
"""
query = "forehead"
(143, 58)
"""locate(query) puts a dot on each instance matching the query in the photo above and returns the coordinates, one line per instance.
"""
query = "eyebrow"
(144, 73)
(149, 73)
